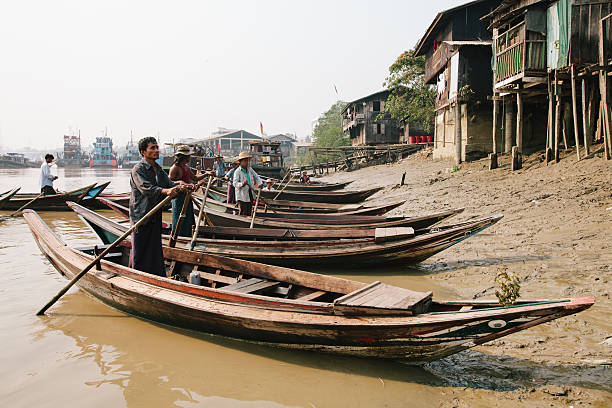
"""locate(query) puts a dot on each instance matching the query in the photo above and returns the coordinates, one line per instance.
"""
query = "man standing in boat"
(46, 178)
(245, 181)
(219, 167)
(149, 183)
(181, 172)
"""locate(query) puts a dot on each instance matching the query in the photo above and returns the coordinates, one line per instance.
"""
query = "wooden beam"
(575, 111)
(585, 127)
(457, 133)
(519, 122)
(557, 119)
(603, 88)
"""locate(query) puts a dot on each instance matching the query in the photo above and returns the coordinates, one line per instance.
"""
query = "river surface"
(84, 353)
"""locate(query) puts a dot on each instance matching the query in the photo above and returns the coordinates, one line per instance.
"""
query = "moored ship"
(103, 154)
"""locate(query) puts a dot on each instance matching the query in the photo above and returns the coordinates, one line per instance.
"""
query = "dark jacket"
(146, 189)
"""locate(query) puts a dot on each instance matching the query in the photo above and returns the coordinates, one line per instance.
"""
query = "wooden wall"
(584, 36)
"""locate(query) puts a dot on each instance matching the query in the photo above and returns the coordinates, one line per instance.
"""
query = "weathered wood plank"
(312, 296)
(256, 287)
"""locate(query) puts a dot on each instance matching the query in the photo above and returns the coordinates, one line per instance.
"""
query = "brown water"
(84, 353)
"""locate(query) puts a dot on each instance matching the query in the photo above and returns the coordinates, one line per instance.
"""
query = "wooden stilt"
(575, 111)
(585, 115)
(519, 122)
(603, 87)
(549, 129)
(557, 119)
(493, 156)
(566, 123)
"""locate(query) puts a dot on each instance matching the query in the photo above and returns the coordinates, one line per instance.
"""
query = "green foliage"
(509, 287)
(411, 99)
(465, 91)
(328, 131)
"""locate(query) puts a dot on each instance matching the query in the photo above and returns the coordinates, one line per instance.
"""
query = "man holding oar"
(244, 181)
(149, 184)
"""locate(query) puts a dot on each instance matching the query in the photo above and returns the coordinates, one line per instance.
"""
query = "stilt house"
(457, 47)
(547, 58)
(360, 120)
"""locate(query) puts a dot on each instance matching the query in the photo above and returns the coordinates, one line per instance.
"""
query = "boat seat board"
(217, 278)
(251, 285)
(389, 234)
(380, 298)
(312, 296)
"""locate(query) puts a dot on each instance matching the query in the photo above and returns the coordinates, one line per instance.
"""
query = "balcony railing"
(517, 55)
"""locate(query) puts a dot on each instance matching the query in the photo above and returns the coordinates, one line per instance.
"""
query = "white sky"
(182, 68)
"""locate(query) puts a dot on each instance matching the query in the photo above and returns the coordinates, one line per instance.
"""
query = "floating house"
(267, 158)
(457, 48)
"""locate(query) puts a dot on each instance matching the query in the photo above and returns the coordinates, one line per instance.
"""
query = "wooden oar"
(174, 235)
(200, 214)
(26, 204)
(99, 257)
(279, 193)
(281, 182)
(255, 209)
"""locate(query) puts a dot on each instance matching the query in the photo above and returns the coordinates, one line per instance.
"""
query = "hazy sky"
(182, 68)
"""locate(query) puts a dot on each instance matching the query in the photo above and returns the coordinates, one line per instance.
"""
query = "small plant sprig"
(509, 287)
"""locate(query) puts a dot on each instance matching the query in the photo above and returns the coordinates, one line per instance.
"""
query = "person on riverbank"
(231, 191)
(149, 183)
(180, 172)
(46, 178)
(219, 167)
(245, 180)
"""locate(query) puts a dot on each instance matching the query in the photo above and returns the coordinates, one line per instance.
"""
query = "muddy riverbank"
(556, 236)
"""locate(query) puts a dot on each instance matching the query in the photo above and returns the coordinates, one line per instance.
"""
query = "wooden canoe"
(47, 203)
(379, 246)
(6, 196)
(311, 187)
(222, 218)
(333, 197)
(273, 206)
(290, 308)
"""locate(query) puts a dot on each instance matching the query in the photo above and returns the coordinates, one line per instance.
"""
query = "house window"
(376, 106)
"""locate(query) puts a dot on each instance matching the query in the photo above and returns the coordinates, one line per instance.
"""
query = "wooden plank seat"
(379, 298)
(251, 285)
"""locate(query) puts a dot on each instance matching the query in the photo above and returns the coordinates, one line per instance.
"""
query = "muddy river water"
(84, 353)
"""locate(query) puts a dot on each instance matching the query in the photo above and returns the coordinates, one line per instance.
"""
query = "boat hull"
(281, 323)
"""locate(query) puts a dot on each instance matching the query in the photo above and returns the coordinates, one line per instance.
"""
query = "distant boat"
(73, 155)
(103, 154)
(15, 161)
(132, 155)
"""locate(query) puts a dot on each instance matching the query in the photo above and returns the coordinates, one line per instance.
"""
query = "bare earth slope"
(556, 236)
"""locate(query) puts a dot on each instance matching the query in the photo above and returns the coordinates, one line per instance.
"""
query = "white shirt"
(46, 178)
(242, 192)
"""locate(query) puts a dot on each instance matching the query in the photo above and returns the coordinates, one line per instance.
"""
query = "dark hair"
(49, 156)
(144, 143)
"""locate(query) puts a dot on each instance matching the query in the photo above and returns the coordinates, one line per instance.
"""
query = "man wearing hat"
(245, 181)
(180, 172)
(219, 167)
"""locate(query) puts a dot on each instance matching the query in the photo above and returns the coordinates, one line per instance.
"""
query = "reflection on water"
(87, 354)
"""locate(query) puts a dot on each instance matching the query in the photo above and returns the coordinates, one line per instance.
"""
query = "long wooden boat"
(290, 308)
(223, 218)
(6, 196)
(311, 187)
(331, 197)
(302, 207)
(381, 246)
(48, 202)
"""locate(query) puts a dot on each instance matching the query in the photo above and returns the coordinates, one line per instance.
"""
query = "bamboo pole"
(603, 88)
(26, 204)
(99, 257)
(255, 209)
(519, 122)
(575, 111)
(200, 214)
(174, 235)
(279, 193)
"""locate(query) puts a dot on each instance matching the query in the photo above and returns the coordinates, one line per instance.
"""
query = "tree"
(411, 99)
(328, 131)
